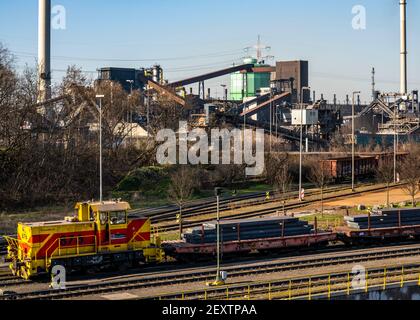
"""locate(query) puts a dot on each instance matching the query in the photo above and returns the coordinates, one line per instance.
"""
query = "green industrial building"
(248, 84)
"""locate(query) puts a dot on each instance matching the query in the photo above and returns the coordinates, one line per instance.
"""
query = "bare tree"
(272, 163)
(59, 154)
(320, 175)
(410, 173)
(228, 174)
(163, 113)
(181, 188)
(385, 174)
(282, 178)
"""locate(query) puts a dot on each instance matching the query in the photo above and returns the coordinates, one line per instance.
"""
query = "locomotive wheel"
(123, 267)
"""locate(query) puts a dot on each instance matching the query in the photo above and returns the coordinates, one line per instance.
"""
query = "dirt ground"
(371, 199)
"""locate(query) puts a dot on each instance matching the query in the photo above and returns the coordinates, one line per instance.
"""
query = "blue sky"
(189, 37)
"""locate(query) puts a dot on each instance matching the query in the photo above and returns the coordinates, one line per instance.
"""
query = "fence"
(317, 286)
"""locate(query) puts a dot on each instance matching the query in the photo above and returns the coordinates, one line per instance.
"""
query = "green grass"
(326, 220)
(394, 206)
(169, 236)
(257, 187)
(408, 205)
(149, 203)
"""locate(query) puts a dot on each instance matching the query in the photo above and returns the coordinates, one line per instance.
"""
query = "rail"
(202, 276)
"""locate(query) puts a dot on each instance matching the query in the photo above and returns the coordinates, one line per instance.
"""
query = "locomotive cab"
(111, 222)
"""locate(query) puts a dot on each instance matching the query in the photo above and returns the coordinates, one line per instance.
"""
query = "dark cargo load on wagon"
(385, 218)
(249, 229)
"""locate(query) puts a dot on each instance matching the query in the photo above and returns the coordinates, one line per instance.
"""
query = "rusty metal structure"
(399, 111)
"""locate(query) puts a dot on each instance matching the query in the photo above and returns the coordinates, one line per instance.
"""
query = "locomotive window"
(119, 217)
(103, 217)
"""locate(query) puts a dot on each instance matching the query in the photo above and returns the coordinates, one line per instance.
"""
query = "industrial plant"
(99, 201)
(277, 98)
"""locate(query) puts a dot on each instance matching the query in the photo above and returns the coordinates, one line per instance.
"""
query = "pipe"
(44, 50)
(403, 62)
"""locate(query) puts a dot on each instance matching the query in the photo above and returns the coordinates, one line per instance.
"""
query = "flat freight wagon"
(381, 226)
(247, 237)
(185, 251)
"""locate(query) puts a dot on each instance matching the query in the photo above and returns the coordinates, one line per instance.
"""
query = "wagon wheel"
(23, 273)
(123, 267)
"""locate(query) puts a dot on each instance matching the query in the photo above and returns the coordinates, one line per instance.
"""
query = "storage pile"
(234, 230)
(385, 218)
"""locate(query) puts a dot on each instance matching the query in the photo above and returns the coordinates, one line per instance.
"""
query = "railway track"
(272, 210)
(6, 279)
(10, 280)
(3, 246)
(304, 288)
(193, 276)
(208, 206)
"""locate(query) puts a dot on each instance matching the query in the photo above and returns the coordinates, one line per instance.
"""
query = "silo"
(247, 84)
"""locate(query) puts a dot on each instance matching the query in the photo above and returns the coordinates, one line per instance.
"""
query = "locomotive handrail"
(77, 246)
(13, 245)
(11, 241)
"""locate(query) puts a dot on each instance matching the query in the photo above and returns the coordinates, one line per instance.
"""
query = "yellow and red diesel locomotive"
(100, 234)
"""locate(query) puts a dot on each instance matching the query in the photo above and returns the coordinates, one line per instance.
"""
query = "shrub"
(147, 180)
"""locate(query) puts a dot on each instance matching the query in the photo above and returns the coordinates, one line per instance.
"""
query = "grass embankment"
(325, 221)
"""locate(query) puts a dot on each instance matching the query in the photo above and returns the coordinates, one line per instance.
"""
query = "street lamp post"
(148, 112)
(131, 82)
(301, 141)
(219, 281)
(353, 142)
(224, 91)
(100, 97)
(130, 112)
(271, 118)
(395, 144)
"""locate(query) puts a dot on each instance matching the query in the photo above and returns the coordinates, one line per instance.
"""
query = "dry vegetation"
(50, 154)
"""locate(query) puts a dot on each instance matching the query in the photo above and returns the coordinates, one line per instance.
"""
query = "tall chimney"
(403, 11)
(44, 50)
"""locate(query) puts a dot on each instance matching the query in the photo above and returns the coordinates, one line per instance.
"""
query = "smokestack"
(44, 50)
(403, 11)
(373, 85)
